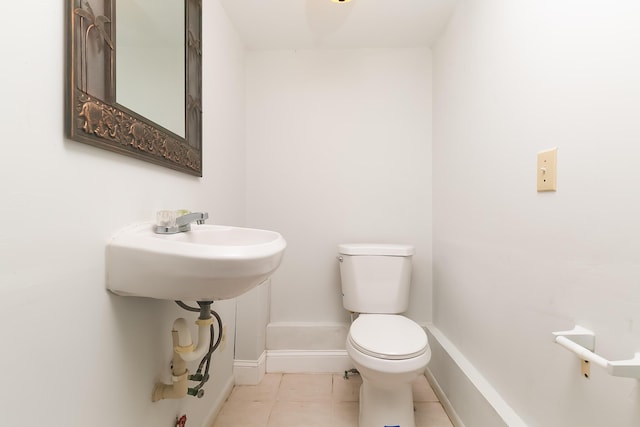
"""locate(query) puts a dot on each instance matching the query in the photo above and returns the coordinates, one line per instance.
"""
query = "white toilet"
(389, 350)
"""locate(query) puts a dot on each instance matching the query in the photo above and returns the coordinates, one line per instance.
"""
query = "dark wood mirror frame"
(93, 116)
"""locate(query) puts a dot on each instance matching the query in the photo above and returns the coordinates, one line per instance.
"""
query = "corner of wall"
(459, 385)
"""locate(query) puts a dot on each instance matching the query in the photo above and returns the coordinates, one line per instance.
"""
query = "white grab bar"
(581, 341)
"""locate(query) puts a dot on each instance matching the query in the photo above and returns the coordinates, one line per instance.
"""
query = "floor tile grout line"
(339, 395)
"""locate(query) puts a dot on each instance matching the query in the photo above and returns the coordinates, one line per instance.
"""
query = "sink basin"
(210, 262)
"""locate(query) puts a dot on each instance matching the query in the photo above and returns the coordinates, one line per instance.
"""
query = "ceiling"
(312, 24)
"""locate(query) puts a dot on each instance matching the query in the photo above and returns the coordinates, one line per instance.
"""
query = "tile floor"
(310, 400)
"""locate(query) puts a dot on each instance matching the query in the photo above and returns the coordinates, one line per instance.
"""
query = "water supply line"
(184, 350)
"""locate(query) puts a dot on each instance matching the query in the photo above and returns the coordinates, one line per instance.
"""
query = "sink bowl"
(210, 262)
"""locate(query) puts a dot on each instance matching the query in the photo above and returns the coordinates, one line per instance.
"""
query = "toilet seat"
(388, 336)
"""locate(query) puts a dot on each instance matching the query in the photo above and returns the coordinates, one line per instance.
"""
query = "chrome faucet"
(169, 223)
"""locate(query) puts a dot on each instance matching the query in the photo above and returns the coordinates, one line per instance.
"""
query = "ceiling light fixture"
(341, 1)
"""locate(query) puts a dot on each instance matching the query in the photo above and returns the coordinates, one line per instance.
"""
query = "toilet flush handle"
(339, 258)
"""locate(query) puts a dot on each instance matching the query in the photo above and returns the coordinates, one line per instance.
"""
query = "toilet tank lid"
(375, 249)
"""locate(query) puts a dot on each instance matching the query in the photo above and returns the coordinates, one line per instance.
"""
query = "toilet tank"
(375, 277)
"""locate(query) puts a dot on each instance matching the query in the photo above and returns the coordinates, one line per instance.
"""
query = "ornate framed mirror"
(134, 79)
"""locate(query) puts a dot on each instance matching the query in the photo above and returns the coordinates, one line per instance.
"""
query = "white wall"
(73, 354)
(511, 265)
(338, 150)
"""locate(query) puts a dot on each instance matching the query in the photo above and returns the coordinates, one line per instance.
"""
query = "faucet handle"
(166, 218)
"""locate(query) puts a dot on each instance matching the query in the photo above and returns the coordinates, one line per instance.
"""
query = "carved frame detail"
(92, 114)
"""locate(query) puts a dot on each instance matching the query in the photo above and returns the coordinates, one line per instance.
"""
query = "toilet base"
(386, 407)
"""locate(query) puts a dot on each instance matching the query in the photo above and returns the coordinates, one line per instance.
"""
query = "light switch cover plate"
(547, 170)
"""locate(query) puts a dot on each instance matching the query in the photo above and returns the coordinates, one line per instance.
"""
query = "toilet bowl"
(390, 352)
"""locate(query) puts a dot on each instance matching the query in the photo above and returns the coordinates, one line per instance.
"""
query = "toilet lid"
(388, 336)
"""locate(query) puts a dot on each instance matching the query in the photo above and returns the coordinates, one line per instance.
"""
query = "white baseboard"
(306, 335)
(250, 372)
(308, 361)
(217, 405)
(459, 384)
(444, 400)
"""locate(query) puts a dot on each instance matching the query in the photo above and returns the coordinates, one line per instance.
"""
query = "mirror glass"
(150, 60)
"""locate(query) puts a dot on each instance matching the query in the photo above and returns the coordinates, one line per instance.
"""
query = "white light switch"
(547, 170)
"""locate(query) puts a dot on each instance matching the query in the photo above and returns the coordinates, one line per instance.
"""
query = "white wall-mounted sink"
(210, 262)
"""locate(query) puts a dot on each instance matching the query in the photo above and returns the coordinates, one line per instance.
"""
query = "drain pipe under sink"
(184, 351)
